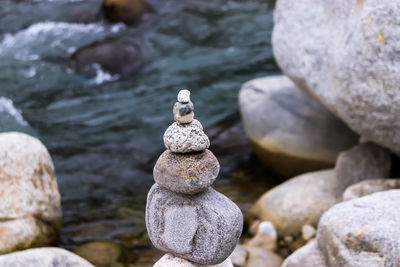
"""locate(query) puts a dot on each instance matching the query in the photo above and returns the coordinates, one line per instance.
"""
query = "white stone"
(184, 96)
(308, 232)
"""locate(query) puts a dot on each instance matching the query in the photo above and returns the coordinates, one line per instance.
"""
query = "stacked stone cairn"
(185, 217)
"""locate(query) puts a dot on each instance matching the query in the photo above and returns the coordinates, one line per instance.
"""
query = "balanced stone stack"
(185, 217)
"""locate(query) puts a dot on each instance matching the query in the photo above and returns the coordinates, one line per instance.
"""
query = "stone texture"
(29, 193)
(169, 260)
(186, 173)
(357, 233)
(43, 257)
(184, 138)
(370, 186)
(261, 257)
(346, 54)
(290, 131)
(364, 161)
(100, 253)
(298, 201)
(266, 236)
(203, 228)
(184, 96)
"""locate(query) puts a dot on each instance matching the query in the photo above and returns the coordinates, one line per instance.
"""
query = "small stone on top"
(184, 96)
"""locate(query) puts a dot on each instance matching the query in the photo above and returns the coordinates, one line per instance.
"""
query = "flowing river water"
(104, 132)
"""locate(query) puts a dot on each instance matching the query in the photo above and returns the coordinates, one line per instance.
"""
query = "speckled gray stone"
(187, 173)
(184, 96)
(183, 113)
(184, 138)
(203, 228)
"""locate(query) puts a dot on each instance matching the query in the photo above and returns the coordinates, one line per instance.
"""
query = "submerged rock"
(43, 257)
(30, 211)
(186, 173)
(345, 53)
(114, 56)
(370, 186)
(290, 131)
(203, 228)
(298, 201)
(360, 232)
(127, 11)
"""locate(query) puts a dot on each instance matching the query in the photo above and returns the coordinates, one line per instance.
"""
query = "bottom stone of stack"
(203, 228)
(169, 260)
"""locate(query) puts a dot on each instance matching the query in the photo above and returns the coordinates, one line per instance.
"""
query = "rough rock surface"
(43, 257)
(345, 53)
(184, 138)
(298, 201)
(364, 161)
(290, 131)
(261, 257)
(370, 186)
(203, 228)
(29, 193)
(360, 232)
(169, 260)
(187, 173)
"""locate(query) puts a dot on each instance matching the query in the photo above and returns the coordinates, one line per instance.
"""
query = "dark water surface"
(105, 132)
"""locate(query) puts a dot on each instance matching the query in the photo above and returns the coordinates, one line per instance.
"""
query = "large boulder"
(30, 210)
(360, 232)
(43, 257)
(290, 131)
(203, 228)
(346, 54)
(298, 201)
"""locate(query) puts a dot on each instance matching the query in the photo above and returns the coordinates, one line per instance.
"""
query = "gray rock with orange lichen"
(186, 173)
(30, 210)
(184, 138)
(203, 228)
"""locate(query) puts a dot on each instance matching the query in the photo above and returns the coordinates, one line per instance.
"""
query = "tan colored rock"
(29, 193)
(239, 256)
(266, 237)
(261, 257)
(370, 186)
(100, 253)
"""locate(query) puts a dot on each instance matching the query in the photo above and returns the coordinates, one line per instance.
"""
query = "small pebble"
(308, 231)
(184, 96)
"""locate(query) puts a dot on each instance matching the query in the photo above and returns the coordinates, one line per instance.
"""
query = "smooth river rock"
(298, 201)
(203, 228)
(43, 257)
(169, 260)
(290, 131)
(184, 138)
(370, 186)
(346, 54)
(30, 210)
(187, 173)
(356, 233)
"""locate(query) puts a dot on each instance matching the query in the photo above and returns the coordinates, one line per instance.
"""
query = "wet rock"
(364, 161)
(100, 253)
(359, 232)
(43, 257)
(239, 256)
(169, 260)
(290, 131)
(266, 237)
(184, 138)
(203, 228)
(298, 201)
(370, 186)
(127, 11)
(358, 79)
(114, 56)
(30, 212)
(261, 257)
(187, 173)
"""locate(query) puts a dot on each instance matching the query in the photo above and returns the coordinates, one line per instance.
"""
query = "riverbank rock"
(362, 162)
(127, 11)
(43, 257)
(30, 210)
(169, 260)
(185, 138)
(359, 232)
(370, 186)
(188, 173)
(261, 257)
(266, 237)
(114, 56)
(298, 201)
(343, 52)
(290, 131)
(100, 253)
(203, 228)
